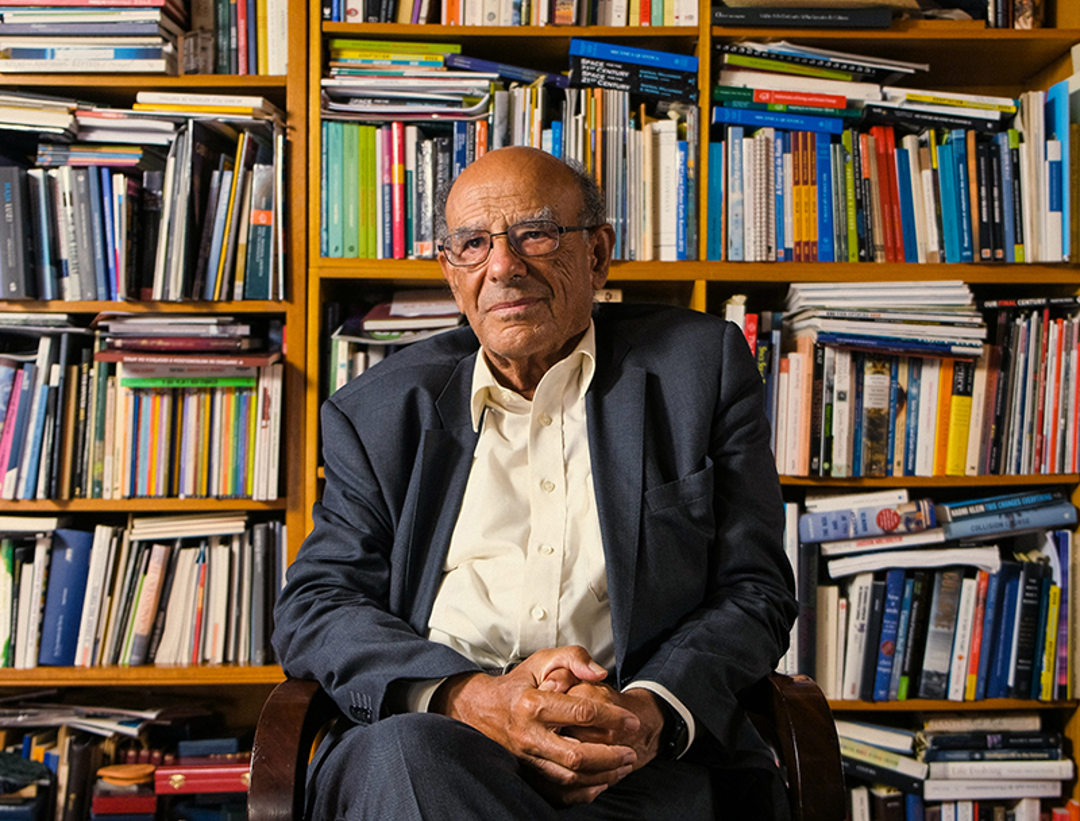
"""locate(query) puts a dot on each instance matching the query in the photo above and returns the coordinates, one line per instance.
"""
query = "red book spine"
(196, 648)
(241, 37)
(884, 191)
(397, 190)
(894, 193)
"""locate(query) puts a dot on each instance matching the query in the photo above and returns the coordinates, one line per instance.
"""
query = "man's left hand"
(645, 740)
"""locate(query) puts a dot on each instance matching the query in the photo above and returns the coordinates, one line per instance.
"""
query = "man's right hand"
(512, 710)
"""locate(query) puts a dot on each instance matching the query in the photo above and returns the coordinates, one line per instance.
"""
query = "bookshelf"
(241, 689)
(964, 56)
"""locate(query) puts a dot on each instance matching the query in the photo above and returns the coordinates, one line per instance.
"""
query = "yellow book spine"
(262, 40)
(1048, 676)
(941, 436)
(959, 418)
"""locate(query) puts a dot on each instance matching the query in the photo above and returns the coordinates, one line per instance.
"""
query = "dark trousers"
(424, 766)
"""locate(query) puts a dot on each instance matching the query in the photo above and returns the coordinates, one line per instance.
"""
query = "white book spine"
(859, 611)
(962, 640)
(926, 439)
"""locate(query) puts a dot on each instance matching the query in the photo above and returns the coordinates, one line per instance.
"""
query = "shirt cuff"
(418, 696)
(676, 705)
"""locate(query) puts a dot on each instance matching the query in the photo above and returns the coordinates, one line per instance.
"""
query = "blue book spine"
(897, 344)
(989, 638)
(778, 189)
(324, 210)
(1063, 540)
(998, 684)
(680, 200)
(1007, 217)
(40, 197)
(1040, 640)
(894, 390)
(252, 38)
(511, 72)
(907, 206)
(949, 207)
(115, 53)
(714, 243)
(1061, 514)
(858, 363)
(777, 119)
(461, 148)
(735, 195)
(963, 195)
(628, 54)
(890, 624)
(997, 504)
(913, 807)
(29, 471)
(110, 237)
(1056, 109)
(69, 565)
(22, 419)
(901, 638)
(826, 247)
(556, 138)
(335, 159)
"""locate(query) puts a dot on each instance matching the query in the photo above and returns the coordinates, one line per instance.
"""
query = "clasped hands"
(575, 735)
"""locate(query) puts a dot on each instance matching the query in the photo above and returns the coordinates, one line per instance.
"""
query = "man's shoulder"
(641, 323)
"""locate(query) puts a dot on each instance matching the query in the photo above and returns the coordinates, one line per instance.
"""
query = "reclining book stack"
(955, 767)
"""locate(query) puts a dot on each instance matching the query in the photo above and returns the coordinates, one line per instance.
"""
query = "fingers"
(572, 763)
(576, 660)
(559, 680)
(558, 710)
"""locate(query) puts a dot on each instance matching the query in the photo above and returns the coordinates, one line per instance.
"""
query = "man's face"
(524, 309)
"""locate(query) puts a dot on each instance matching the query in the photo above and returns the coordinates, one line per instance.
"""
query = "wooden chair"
(790, 712)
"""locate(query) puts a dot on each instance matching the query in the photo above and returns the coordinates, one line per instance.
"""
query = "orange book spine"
(941, 436)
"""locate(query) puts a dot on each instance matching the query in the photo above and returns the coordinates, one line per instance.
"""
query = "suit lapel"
(615, 408)
(444, 459)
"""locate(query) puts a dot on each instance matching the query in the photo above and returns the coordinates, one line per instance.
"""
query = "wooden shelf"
(932, 481)
(195, 82)
(137, 505)
(935, 705)
(711, 271)
(219, 674)
(250, 306)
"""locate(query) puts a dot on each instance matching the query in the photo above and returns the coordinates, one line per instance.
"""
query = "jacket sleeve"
(334, 620)
(742, 625)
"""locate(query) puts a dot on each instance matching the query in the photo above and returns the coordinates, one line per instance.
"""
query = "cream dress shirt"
(525, 570)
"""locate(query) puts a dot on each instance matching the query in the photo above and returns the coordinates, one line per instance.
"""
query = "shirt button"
(545, 420)
(547, 486)
(547, 549)
(539, 613)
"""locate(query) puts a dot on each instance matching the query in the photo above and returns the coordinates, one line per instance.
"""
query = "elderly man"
(548, 553)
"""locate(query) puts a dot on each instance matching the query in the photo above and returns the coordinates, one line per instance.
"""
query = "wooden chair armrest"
(290, 721)
(793, 715)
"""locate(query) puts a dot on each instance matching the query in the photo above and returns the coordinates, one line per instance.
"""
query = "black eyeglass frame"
(559, 230)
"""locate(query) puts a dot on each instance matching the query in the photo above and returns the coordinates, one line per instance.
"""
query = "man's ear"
(600, 250)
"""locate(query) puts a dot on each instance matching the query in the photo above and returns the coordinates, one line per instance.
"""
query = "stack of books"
(400, 123)
(819, 156)
(362, 341)
(53, 37)
(953, 620)
(962, 772)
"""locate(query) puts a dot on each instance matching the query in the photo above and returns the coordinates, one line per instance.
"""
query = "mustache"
(514, 294)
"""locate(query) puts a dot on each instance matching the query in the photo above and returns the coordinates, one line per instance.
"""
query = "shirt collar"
(583, 358)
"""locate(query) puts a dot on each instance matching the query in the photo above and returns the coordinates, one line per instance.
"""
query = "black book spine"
(860, 206)
(817, 409)
(13, 225)
(1026, 640)
(149, 226)
(873, 774)
(1018, 201)
(82, 426)
(997, 221)
(917, 120)
(873, 638)
(982, 177)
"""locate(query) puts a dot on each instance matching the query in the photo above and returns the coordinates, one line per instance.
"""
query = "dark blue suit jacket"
(688, 498)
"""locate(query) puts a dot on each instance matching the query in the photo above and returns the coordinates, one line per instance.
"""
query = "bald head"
(526, 169)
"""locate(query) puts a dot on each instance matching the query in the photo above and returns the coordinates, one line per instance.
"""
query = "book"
(1057, 514)
(979, 789)
(67, 580)
(868, 521)
(1016, 770)
(896, 739)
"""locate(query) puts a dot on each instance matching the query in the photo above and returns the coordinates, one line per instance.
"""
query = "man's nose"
(504, 262)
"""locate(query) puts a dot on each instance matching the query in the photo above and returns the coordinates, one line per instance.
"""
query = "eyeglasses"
(534, 238)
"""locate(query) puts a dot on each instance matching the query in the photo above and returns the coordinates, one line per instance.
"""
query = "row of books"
(381, 168)
(977, 608)
(901, 773)
(814, 157)
(856, 386)
(166, 590)
(146, 37)
(205, 224)
(515, 12)
(80, 418)
(880, 802)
